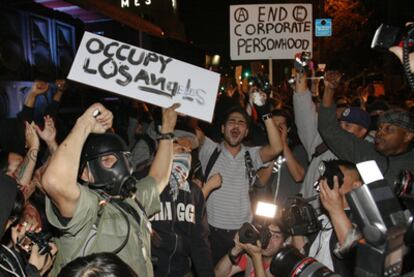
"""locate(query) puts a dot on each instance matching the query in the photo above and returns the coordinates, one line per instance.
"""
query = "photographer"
(251, 258)
(333, 243)
(12, 262)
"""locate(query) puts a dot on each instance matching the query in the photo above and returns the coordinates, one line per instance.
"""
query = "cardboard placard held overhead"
(270, 31)
(145, 75)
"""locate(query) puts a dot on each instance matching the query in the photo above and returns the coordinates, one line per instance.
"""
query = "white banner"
(270, 31)
(145, 75)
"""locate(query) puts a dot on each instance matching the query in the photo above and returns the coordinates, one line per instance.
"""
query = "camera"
(290, 262)
(302, 61)
(300, 218)
(42, 240)
(329, 169)
(249, 233)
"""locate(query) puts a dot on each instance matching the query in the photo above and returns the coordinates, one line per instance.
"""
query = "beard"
(234, 138)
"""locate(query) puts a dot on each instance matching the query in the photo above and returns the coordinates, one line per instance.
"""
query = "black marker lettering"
(164, 63)
(123, 70)
(150, 57)
(131, 56)
(99, 48)
(86, 67)
(119, 54)
(107, 47)
(101, 68)
(142, 75)
(156, 82)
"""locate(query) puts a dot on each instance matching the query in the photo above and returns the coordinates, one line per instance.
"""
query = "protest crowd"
(170, 196)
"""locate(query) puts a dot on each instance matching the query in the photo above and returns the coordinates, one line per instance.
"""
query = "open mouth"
(235, 133)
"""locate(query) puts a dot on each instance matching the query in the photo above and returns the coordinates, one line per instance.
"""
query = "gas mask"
(115, 179)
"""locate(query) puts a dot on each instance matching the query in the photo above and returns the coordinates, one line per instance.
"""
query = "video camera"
(300, 218)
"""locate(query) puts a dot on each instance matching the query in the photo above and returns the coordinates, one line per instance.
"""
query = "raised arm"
(225, 266)
(268, 152)
(295, 168)
(60, 178)
(161, 166)
(38, 88)
(26, 169)
(331, 200)
(345, 145)
(306, 117)
(48, 133)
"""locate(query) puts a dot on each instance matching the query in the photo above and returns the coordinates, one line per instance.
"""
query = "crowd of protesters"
(169, 197)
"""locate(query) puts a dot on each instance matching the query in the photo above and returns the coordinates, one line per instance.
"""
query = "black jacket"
(181, 235)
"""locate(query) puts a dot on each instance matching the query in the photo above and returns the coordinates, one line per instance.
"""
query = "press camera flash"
(266, 209)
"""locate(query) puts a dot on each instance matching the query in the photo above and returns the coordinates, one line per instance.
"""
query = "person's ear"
(85, 174)
(247, 132)
(356, 184)
(408, 137)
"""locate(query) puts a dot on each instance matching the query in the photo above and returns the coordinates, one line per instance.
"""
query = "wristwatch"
(266, 116)
(161, 136)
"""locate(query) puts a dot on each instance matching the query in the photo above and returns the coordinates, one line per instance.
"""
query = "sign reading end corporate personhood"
(270, 31)
(145, 75)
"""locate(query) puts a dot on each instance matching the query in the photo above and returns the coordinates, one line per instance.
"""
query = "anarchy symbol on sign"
(241, 15)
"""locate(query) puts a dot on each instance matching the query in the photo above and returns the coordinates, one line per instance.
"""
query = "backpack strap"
(211, 161)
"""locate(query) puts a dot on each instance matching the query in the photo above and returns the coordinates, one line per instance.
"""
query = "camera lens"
(248, 234)
(290, 262)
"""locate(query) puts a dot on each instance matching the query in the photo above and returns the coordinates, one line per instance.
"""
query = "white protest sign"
(145, 75)
(270, 31)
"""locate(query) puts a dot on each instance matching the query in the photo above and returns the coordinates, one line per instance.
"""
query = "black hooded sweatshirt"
(181, 235)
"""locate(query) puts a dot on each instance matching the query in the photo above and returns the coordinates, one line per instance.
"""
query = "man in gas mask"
(109, 213)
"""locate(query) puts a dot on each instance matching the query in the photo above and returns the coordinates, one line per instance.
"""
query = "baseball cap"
(357, 116)
(398, 118)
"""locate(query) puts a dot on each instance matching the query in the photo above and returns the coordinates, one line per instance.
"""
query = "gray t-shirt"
(287, 186)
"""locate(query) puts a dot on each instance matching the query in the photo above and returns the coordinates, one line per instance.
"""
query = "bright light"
(216, 60)
(369, 171)
(266, 209)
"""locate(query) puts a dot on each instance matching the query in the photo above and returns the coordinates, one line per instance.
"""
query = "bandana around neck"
(179, 173)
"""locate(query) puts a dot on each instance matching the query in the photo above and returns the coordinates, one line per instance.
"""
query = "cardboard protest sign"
(270, 31)
(145, 75)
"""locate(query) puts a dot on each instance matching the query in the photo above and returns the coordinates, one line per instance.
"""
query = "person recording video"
(252, 258)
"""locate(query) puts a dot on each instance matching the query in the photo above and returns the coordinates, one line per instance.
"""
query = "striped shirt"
(229, 206)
